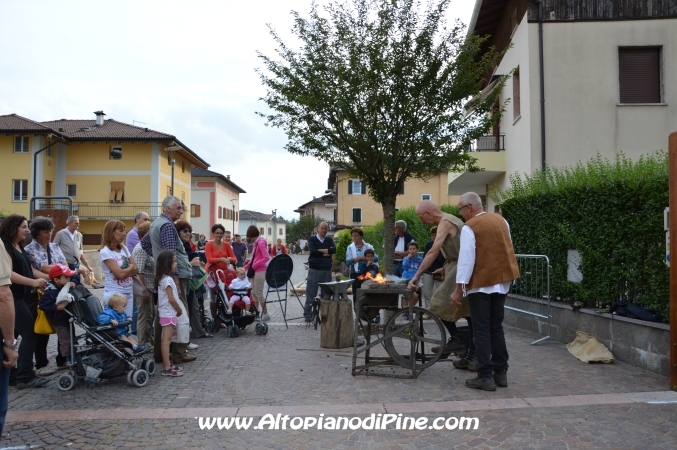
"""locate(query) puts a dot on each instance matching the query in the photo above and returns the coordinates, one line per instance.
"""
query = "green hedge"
(374, 234)
(611, 212)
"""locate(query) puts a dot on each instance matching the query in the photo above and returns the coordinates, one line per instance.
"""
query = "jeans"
(397, 266)
(315, 277)
(4, 396)
(23, 326)
(486, 311)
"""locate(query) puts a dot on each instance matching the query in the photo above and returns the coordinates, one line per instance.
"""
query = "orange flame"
(377, 279)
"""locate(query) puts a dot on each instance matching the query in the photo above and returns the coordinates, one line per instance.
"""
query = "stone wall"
(93, 260)
(640, 343)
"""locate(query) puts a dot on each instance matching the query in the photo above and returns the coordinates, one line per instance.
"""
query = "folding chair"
(278, 275)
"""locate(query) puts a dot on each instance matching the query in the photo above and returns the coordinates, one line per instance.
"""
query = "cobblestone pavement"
(553, 400)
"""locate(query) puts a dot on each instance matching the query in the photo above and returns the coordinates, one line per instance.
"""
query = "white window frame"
(353, 216)
(423, 196)
(24, 140)
(75, 188)
(23, 194)
(357, 191)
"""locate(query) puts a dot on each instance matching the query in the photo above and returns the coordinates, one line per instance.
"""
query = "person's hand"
(61, 306)
(195, 262)
(40, 283)
(413, 284)
(179, 312)
(72, 284)
(145, 296)
(438, 271)
(114, 322)
(83, 271)
(456, 298)
(9, 357)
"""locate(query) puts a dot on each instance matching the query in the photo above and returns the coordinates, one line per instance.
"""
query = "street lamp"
(233, 202)
(173, 149)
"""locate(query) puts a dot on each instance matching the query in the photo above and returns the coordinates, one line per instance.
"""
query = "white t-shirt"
(114, 285)
(399, 247)
(165, 309)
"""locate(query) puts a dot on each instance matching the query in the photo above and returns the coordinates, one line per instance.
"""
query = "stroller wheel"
(66, 382)
(229, 331)
(130, 380)
(258, 329)
(236, 331)
(264, 329)
(149, 366)
(140, 378)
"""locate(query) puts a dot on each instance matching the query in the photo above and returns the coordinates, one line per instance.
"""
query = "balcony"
(490, 154)
(103, 210)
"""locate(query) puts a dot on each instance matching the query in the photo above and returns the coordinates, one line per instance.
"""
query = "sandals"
(177, 368)
(171, 372)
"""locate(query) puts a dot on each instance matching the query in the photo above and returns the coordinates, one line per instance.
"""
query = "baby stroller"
(98, 354)
(237, 320)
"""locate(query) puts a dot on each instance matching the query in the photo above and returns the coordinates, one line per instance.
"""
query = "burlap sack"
(589, 350)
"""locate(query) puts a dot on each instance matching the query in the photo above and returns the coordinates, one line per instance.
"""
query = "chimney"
(228, 176)
(99, 118)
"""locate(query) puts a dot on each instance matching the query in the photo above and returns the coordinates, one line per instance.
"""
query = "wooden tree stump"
(337, 324)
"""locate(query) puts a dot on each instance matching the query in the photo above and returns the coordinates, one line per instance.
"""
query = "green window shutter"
(350, 187)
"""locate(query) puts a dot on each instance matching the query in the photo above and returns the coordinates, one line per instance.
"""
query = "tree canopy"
(379, 88)
(302, 228)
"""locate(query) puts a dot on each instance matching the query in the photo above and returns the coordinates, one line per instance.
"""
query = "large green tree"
(302, 228)
(380, 88)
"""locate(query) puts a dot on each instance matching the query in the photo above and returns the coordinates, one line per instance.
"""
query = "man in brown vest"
(486, 267)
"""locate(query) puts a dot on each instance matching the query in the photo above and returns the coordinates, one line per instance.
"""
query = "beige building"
(354, 206)
(609, 85)
(215, 198)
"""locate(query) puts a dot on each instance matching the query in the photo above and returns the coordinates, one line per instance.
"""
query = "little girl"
(168, 307)
(239, 286)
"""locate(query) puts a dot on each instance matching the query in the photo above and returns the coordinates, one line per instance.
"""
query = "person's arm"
(104, 319)
(24, 281)
(7, 311)
(466, 263)
(444, 229)
(332, 247)
(172, 300)
(349, 256)
(312, 247)
(48, 303)
(119, 272)
(229, 251)
(210, 253)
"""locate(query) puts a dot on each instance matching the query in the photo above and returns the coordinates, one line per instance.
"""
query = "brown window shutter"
(197, 210)
(639, 74)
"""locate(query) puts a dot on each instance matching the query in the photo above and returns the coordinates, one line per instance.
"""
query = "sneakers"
(140, 349)
(486, 384)
(266, 318)
(501, 379)
(192, 346)
(35, 382)
(69, 362)
(468, 362)
(45, 371)
(171, 372)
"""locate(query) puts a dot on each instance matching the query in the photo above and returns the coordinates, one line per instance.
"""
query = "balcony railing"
(104, 210)
(488, 143)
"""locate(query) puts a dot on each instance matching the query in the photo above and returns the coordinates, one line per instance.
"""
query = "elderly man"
(402, 240)
(321, 248)
(9, 350)
(69, 241)
(448, 241)
(486, 267)
(163, 236)
(133, 235)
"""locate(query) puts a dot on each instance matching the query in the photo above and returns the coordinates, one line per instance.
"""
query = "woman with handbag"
(13, 231)
(219, 255)
(256, 268)
(185, 232)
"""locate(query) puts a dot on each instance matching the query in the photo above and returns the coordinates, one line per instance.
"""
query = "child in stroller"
(240, 289)
(115, 315)
(240, 314)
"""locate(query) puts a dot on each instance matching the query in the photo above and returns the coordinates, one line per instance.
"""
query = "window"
(426, 197)
(356, 187)
(280, 233)
(20, 190)
(117, 191)
(220, 212)
(71, 190)
(237, 215)
(195, 210)
(21, 144)
(116, 153)
(639, 75)
(401, 191)
(169, 158)
(261, 231)
(169, 191)
(183, 195)
(270, 231)
(516, 95)
(49, 149)
(228, 214)
(357, 215)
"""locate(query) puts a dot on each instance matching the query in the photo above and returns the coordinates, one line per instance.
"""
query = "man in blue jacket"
(321, 248)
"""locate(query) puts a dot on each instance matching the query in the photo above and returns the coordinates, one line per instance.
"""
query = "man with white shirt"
(69, 241)
(486, 267)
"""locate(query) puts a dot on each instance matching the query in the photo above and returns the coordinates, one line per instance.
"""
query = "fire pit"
(404, 338)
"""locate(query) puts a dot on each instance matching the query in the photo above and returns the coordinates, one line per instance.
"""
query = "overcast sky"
(184, 68)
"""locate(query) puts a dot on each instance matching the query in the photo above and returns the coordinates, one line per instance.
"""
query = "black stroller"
(237, 320)
(98, 354)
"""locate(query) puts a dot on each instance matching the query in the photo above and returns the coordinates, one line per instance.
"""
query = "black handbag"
(250, 271)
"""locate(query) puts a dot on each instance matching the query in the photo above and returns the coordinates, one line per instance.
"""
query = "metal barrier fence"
(533, 287)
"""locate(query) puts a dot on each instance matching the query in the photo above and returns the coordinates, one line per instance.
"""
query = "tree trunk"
(388, 235)
(338, 327)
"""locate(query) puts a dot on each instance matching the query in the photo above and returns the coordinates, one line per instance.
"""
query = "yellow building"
(354, 206)
(110, 170)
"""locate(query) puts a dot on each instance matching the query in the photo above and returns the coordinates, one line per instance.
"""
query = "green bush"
(611, 212)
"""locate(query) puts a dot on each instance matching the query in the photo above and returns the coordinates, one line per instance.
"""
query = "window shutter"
(357, 215)
(350, 187)
(364, 187)
(639, 74)
(401, 191)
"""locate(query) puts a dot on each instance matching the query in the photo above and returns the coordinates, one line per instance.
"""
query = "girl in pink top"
(259, 262)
